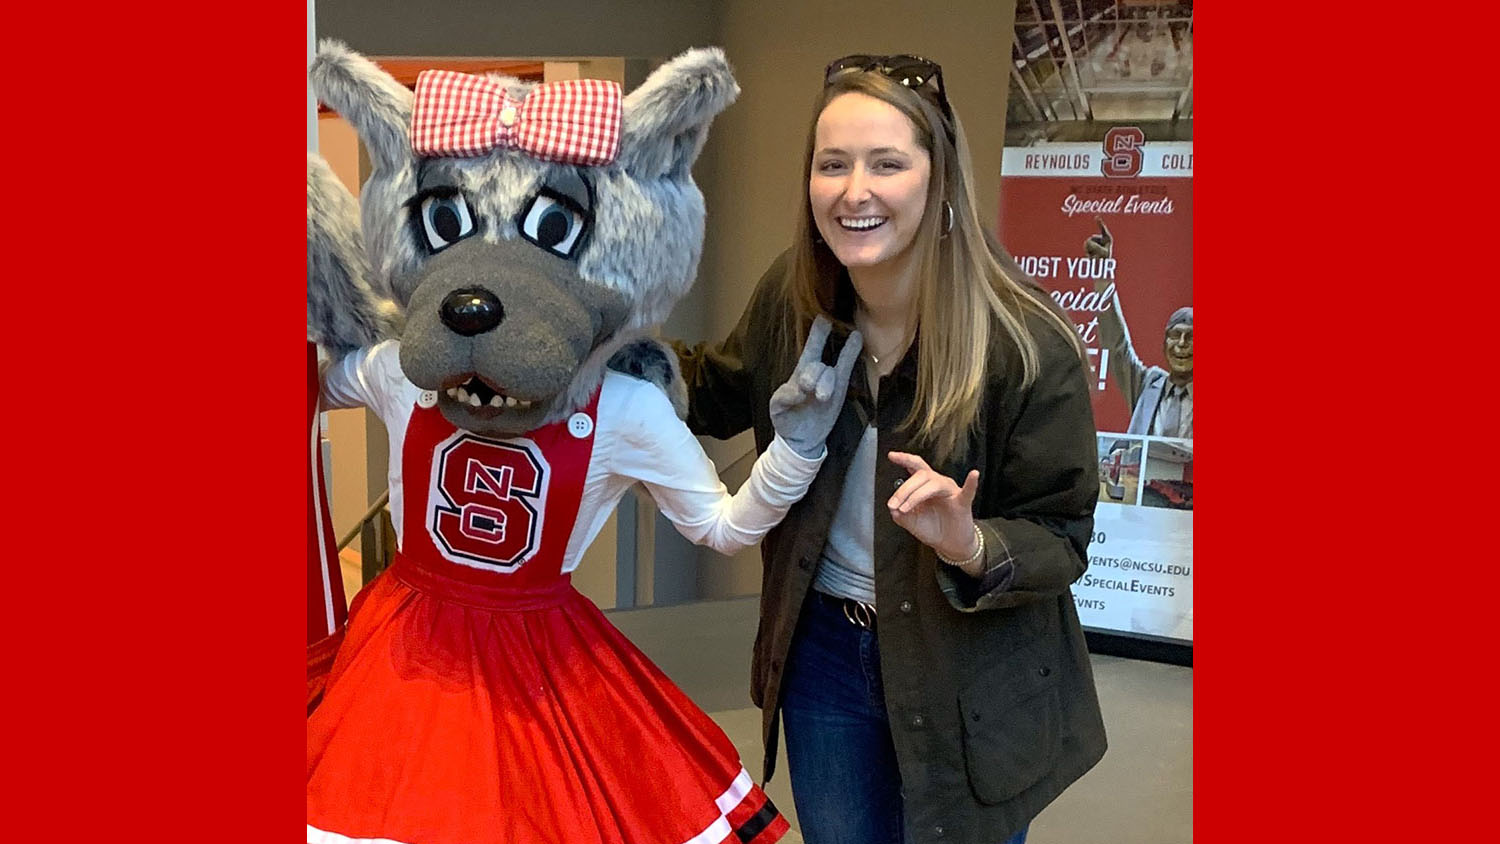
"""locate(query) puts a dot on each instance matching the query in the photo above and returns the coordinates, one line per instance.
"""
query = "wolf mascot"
(527, 235)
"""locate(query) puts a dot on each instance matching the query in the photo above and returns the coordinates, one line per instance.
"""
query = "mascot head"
(526, 232)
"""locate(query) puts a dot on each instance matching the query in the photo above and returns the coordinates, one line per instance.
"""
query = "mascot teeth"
(476, 393)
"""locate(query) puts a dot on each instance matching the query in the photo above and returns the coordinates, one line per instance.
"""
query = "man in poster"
(1161, 400)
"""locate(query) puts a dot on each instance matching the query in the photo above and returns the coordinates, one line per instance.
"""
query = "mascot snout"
(499, 330)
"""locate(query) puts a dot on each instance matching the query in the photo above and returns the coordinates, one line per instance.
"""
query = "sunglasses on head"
(915, 72)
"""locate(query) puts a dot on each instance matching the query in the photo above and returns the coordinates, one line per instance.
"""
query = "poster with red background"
(1052, 200)
(1106, 228)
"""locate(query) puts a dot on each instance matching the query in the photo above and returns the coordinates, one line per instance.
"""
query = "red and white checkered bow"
(576, 121)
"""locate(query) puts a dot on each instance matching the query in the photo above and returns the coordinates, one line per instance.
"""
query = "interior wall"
(519, 27)
(348, 472)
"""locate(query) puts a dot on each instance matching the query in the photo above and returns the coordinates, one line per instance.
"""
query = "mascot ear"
(372, 100)
(666, 119)
(342, 312)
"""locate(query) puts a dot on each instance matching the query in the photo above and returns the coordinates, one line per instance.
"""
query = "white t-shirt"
(637, 438)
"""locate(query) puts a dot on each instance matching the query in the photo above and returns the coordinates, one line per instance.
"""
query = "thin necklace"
(875, 359)
(898, 346)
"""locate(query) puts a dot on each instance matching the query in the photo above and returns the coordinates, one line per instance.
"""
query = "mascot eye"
(445, 220)
(555, 223)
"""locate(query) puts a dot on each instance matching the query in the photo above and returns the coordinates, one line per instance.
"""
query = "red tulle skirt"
(466, 714)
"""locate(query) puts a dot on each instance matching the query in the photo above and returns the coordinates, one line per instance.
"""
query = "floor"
(1141, 793)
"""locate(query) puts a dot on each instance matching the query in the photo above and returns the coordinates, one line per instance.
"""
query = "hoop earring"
(948, 209)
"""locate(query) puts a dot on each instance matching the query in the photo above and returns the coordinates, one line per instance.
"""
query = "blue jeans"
(845, 781)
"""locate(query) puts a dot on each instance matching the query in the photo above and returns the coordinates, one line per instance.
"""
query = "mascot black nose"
(470, 311)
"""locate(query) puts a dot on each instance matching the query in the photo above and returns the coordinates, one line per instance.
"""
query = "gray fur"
(667, 118)
(371, 100)
(641, 256)
(342, 312)
(666, 123)
(651, 360)
(496, 186)
(379, 108)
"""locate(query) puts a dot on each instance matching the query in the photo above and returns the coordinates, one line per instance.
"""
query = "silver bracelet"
(978, 552)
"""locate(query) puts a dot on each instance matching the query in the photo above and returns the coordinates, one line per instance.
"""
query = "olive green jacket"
(991, 696)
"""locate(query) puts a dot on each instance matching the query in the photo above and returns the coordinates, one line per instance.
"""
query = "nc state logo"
(1122, 152)
(488, 499)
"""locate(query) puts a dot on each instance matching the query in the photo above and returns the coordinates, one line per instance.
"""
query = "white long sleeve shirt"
(638, 439)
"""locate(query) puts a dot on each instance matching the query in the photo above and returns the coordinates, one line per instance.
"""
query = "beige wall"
(348, 475)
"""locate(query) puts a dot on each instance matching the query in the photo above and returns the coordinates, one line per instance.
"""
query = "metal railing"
(377, 540)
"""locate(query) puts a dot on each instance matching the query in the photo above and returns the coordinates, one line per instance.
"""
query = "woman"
(917, 634)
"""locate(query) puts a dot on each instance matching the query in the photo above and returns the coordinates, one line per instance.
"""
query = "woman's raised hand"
(934, 509)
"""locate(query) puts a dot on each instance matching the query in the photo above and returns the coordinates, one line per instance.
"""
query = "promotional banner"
(1106, 228)
(1096, 202)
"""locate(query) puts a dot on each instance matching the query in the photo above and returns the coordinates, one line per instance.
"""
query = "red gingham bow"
(576, 121)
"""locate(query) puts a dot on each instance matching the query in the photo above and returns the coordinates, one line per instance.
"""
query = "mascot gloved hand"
(528, 233)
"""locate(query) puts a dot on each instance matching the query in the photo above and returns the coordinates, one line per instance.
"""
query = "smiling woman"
(868, 186)
(918, 639)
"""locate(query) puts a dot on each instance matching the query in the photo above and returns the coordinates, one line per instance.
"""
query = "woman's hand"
(934, 509)
(804, 409)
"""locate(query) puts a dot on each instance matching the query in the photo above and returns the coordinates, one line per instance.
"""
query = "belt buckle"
(861, 614)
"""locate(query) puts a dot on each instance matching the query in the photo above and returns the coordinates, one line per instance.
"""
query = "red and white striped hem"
(746, 816)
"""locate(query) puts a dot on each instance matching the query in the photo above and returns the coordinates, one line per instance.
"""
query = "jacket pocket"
(1011, 729)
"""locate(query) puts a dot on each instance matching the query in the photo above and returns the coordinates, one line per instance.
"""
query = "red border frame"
(155, 468)
(155, 632)
(1344, 222)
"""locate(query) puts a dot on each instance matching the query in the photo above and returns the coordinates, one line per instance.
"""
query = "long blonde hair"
(964, 276)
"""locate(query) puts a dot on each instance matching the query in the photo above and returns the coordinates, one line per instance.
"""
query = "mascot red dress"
(528, 235)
